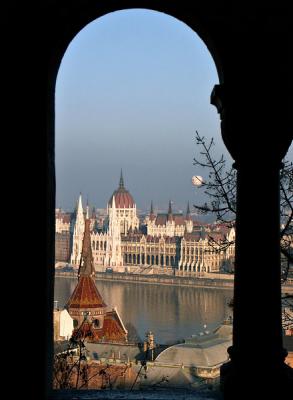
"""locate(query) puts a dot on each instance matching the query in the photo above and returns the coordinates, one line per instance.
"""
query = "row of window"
(153, 260)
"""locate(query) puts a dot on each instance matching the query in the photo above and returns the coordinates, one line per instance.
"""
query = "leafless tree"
(72, 372)
(66, 364)
(220, 188)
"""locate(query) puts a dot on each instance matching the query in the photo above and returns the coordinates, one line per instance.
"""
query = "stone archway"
(250, 50)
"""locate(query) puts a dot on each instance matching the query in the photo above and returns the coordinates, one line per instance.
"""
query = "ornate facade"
(172, 243)
(150, 251)
(169, 224)
(62, 221)
(197, 255)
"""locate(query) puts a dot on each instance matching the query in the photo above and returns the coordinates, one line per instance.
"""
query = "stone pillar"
(257, 355)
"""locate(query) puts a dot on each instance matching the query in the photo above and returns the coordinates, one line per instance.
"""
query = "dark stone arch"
(250, 47)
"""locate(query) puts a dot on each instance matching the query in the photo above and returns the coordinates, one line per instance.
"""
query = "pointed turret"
(152, 215)
(121, 181)
(188, 220)
(78, 233)
(86, 301)
(86, 266)
(79, 209)
(113, 204)
(94, 213)
(170, 213)
(87, 213)
(188, 216)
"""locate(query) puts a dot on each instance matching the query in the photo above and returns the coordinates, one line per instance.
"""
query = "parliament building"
(162, 243)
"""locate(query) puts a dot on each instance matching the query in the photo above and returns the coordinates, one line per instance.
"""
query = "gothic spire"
(94, 212)
(188, 210)
(121, 182)
(86, 266)
(188, 216)
(170, 213)
(170, 208)
(79, 209)
(87, 215)
(152, 209)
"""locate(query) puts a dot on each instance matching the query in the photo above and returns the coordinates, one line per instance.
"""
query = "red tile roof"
(123, 199)
(161, 219)
(111, 331)
(86, 295)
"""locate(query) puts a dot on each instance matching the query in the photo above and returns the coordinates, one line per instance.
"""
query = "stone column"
(257, 355)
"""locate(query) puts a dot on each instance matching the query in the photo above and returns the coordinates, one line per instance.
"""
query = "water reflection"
(172, 313)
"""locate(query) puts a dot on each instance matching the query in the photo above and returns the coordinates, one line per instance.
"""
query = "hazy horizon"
(132, 89)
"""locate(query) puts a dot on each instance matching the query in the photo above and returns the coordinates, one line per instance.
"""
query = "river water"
(170, 312)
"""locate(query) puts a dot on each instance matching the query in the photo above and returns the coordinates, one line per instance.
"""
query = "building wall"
(62, 246)
(63, 325)
(170, 228)
(149, 250)
(127, 218)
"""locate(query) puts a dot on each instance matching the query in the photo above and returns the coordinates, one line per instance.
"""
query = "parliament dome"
(123, 198)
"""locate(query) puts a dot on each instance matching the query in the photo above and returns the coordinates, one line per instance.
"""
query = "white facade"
(63, 325)
(113, 257)
(199, 256)
(170, 228)
(169, 224)
(62, 222)
(61, 226)
(230, 251)
(127, 218)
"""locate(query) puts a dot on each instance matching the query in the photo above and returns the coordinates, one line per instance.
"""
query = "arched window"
(96, 323)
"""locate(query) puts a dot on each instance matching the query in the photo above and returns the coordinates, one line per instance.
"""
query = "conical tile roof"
(86, 295)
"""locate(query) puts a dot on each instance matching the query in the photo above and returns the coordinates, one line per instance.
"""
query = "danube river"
(171, 312)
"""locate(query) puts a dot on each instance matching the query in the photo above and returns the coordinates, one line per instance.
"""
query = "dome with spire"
(123, 198)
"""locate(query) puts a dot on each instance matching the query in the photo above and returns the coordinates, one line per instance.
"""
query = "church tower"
(86, 303)
(77, 234)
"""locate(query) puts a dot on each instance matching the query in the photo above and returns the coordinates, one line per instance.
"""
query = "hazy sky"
(132, 89)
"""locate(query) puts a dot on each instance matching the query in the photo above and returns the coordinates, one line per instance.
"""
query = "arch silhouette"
(250, 47)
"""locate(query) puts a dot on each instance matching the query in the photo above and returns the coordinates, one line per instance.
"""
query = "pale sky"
(132, 89)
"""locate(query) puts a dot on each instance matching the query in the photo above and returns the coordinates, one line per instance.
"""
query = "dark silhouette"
(251, 46)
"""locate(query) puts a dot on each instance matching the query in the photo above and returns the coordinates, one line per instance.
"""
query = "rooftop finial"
(121, 182)
(188, 210)
(170, 208)
(152, 209)
(170, 214)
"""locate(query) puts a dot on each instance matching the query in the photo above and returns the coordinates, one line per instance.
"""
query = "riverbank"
(204, 282)
(157, 279)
